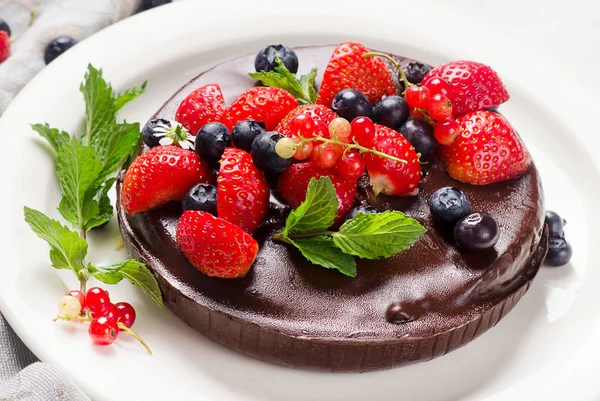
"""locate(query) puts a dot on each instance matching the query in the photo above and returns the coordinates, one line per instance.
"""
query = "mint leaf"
(105, 209)
(107, 274)
(114, 145)
(129, 95)
(307, 82)
(318, 210)
(67, 249)
(282, 78)
(323, 251)
(56, 138)
(100, 107)
(373, 236)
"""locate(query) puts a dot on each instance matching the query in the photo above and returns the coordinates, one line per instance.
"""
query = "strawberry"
(318, 112)
(215, 246)
(293, 184)
(243, 191)
(388, 176)
(162, 174)
(267, 105)
(4, 46)
(487, 150)
(347, 68)
(474, 86)
(202, 106)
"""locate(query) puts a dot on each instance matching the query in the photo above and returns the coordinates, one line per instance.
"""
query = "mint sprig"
(303, 89)
(367, 236)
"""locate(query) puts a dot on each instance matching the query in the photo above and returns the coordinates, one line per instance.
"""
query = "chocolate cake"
(414, 306)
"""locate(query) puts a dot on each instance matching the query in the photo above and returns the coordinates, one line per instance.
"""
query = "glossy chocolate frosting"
(414, 306)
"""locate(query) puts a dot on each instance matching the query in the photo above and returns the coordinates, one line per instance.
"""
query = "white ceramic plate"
(546, 349)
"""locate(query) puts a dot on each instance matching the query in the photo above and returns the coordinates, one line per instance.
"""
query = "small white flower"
(166, 141)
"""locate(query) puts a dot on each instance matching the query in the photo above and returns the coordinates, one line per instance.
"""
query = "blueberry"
(559, 252)
(449, 205)
(476, 232)
(4, 27)
(211, 141)
(201, 197)
(265, 58)
(391, 111)
(420, 135)
(148, 4)
(244, 132)
(360, 209)
(555, 224)
(57, 47)
(351, 103)
(415, 72)
(152, 130)
(264, 155)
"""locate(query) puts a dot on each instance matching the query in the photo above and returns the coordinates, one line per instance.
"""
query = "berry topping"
(417, 96)
(214, 246)
(211, 141)
(4, 27)
(125, 314)
(201, 197)
(446, 132)
(265, 58)
(264, 155)
(154, 130)
(104, 330)
(360, 209)
(303, 120)
(4, 46)
(244, 132)
(556, 224)
(439, 107)
(347, 68)
(391, 111)
(96, 299)
(363, 131)
(285, 148)
(324, 156)
(437, 86)
(476, 232)
(69, 307)
(304, 150)
(162, 174)
(449, 204)
(350, 103)
(202, 106)
(415, 72)
(420, 135)
(57, 47)
(487, 150)
(107, 310)
(243, 191)
(340, 129)
(266, 105)
(473, 86)
(351, 166)
(559, 252)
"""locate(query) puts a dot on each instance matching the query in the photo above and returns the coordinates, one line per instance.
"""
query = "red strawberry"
(4, 46)
(474, 86)
(162, 174)
(487, 150)
(243, 191)
(388, 176)
(318, 112)
(347, 68)
(214, 246)
(267, 105)
(293, 184)
(204, 105)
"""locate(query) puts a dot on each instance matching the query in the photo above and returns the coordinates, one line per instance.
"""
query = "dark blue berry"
(555, 224)
(57, 47)
(148, 4)
(4, 27)
(391, 111)
(350, 104)
(151, 133)
(244, 132)
(360, 209)
(449, 204)
(415, 72)
(476, 232)
(211, 141)
(201, 197)
(265, 58)
(559, 252)
(420, 135)
(264, 155)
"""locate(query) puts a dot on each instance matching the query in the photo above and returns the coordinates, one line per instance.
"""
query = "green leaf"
(129, 95)
(56, 138)
(105, 209)
(100, 104)
(323, 251)
(67, 249)
(108, 274)
(114, 145)
(318, 210)
(282, 78)
(307, 82)
(373, 236)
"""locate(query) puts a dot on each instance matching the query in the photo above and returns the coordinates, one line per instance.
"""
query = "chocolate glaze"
(414, 306)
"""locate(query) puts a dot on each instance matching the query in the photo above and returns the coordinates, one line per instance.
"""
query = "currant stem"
(133, 334)
(360, 148)
(407, 84)
(32, 17)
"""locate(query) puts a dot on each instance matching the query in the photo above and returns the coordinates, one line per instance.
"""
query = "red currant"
(339, 128)
(104, 330)
(96, 298)
(351, 166)
(126, 314)
(108, 310)
(302, 125)
(303, 152)
(324, 156)
(79, 295)
(440, 107)
(438, 86)
(321, 129)
(417, 96)
(446, 132)
(363, 129)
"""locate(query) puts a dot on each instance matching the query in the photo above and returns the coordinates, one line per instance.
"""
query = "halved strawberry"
(243, 191)
(487, 150)
(474, 86)
(202, 106)
(267, 105)
(388, 176)
(318, 112)
(347, 68)
(214, 246)
(162, 174)
(293, 184)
